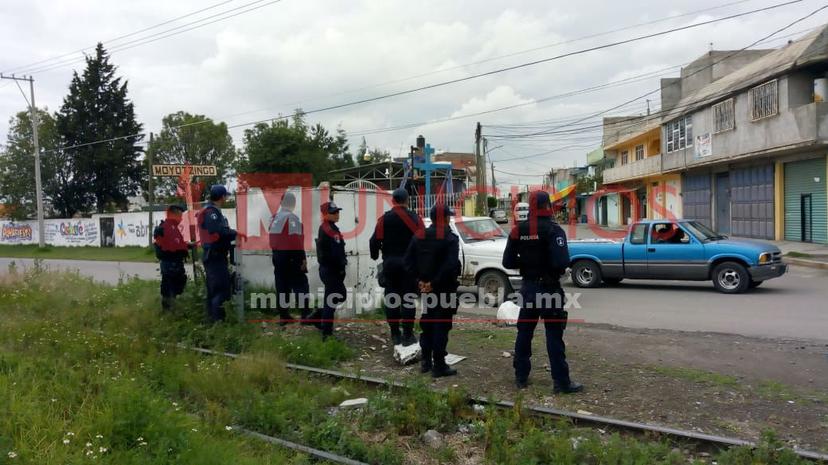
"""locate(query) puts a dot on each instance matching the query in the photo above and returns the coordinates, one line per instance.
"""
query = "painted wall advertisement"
(73, 232)
(704, 145)
(19, 232)
(133, 229)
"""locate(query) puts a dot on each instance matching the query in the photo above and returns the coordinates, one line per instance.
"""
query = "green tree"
(17, 178)
(196, 140)
(292, 147)
(100, 136)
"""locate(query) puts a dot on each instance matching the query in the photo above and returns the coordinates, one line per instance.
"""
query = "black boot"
(396, 338)
(425, 361)
(521, 383)
(408, 337)
(442, 370)
(425, 365)
(570, 388)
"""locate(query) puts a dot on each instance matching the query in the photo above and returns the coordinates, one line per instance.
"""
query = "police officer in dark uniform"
(290, 263)
(433, 257)
(330, 253)
(537, 246)
(392, 235)
(171, 251)
(216, 240)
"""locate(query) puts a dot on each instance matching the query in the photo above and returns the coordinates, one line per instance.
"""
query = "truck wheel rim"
(585, 275)
(729, 279)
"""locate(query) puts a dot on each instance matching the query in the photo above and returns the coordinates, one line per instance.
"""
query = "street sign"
(178, 170)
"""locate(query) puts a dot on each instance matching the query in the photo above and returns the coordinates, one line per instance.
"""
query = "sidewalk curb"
(808, 263)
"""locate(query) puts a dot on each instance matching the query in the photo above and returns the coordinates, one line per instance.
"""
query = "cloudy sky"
(274, 56)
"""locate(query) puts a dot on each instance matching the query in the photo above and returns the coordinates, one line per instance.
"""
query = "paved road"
(793, 306)
(106, 272)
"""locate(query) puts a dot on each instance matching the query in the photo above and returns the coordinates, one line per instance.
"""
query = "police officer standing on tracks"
(290, 263)
(392, 235)
(537, 246)
(330, 253)
(216, 240)
(433, 258)
(171, 251)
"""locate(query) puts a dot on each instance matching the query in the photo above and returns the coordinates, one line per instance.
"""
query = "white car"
(482, 242)
(521, 211)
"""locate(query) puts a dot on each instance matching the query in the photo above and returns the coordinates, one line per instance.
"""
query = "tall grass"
(91, 374)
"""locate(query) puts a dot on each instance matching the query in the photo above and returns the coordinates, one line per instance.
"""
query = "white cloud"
(327, 52)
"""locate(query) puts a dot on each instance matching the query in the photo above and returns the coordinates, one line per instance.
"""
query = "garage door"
(696, 197)
(806, 212)
(751, 200)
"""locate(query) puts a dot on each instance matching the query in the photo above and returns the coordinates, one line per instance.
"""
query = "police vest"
(433, 251)
(533, 249)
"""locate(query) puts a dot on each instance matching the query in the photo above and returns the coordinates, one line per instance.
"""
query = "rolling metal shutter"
(695, 191)
(751, 200)
(806, 179)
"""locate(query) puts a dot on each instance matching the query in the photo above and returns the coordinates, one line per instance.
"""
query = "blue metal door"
(723, 203)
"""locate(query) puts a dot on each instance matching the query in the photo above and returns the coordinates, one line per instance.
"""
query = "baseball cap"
(539, 199)
(217, 191)
(329, 207)
(399, 195)
(176, 207)
(440, 211)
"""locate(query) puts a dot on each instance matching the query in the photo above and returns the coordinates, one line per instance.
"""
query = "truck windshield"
(479, 230)
(702, 232)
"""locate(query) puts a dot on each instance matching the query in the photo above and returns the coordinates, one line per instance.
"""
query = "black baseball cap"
(399, 195)
(176, 207)
(329, 207)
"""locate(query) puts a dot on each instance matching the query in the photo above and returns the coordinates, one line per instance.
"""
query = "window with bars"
(625, 157)
(639, 152)
(679, 133)
(724, 116)
(764, 100)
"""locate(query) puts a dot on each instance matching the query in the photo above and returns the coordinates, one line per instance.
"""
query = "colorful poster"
(73, 232)
(22, 232)
(133, 229)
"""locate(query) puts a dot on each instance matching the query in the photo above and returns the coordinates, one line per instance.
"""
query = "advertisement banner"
(704, 145)
(18, 232)
(134, 228)
(73, 232)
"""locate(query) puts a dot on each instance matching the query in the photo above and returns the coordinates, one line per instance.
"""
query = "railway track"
(706, 441)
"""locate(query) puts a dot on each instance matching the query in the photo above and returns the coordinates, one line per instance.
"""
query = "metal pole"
(151, 196)
(38, 186)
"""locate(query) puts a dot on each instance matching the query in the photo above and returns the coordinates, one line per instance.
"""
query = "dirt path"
(723, 384)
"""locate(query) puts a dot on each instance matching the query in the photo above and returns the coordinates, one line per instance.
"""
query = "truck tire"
(730, 278)
(586, 273)
(489, 286)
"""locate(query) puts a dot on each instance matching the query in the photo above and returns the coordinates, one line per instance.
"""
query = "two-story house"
(751, 144)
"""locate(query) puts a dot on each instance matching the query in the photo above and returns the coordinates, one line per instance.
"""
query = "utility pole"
(493, 178)
(41, 235)
(151, 193)
(479, 171)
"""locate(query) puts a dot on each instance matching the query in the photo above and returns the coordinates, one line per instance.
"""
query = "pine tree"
(100, 136)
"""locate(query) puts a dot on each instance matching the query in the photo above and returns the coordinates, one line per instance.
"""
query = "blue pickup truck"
(676, 250)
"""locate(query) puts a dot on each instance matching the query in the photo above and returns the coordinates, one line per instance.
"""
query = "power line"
(222, 16)
(512, 54)
(484, 74)
(20, 68)
(703, 68)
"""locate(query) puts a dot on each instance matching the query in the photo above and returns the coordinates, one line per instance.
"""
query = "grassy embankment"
(88, 375)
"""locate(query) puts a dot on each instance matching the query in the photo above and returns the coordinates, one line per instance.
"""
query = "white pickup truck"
(482, 242)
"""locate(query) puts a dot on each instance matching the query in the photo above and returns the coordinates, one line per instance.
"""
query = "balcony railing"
(637, 169)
